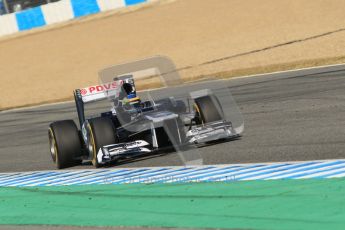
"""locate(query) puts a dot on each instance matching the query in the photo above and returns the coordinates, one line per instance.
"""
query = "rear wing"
(97, 92)
(92, 94)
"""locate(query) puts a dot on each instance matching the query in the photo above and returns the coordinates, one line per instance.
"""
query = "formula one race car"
(134, 126)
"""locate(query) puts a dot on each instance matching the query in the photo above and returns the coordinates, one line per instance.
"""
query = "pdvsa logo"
(100, 88)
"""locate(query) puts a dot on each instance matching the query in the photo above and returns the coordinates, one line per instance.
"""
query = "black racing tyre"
(101, 132)
(208, 109)
(64, 142)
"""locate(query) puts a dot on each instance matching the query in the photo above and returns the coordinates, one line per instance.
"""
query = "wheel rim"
(92, 146)
(52, 146)
(197, 110)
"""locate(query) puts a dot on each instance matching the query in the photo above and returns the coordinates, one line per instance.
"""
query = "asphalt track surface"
(291, 116)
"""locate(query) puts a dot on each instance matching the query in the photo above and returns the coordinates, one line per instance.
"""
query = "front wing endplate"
(110, 152)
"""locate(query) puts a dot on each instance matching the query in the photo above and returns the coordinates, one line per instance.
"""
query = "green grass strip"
(278, 204)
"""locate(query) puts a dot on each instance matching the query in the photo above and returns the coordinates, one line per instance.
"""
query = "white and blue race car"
(133, 126)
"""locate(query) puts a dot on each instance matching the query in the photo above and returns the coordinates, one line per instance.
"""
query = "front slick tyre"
(101, 132)
(65, 145)
(208, 109)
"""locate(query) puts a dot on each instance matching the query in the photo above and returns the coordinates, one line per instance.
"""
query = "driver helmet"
(128, 94)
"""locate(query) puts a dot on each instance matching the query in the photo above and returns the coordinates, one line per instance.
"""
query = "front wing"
(197, 135)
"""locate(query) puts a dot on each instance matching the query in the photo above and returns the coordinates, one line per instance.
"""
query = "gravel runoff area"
(220, 38)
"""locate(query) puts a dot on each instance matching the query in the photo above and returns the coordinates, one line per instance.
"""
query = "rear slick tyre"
(65, 145)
